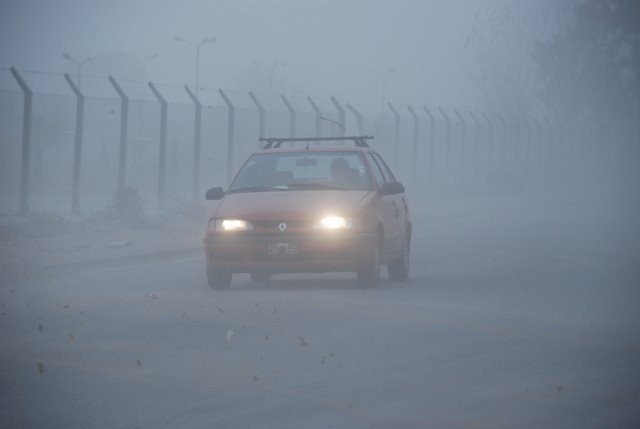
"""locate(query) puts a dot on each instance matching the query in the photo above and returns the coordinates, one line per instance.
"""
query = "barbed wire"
(40, 72)
(167, 84)
(301, 100)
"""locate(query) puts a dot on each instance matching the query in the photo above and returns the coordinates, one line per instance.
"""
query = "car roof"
(314, 148)
(276, 142)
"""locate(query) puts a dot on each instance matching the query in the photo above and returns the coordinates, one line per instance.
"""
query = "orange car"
(309, 208)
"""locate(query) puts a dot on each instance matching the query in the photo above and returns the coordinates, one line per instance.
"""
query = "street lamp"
(271, 73)
(272, 70)
(204, 41)
(385, 74)
(78, 64)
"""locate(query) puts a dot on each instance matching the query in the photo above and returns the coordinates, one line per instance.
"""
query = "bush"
(128, 207)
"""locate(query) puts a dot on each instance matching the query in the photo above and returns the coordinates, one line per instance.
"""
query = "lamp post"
(79, 65)
(204, 41)
(272, 71)
(385, 74)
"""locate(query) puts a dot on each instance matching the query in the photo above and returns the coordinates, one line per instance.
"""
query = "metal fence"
(69, 153)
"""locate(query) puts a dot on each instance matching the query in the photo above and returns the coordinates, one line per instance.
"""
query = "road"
(520, 312)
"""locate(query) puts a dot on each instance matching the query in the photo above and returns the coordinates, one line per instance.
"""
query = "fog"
(513, 125)
(305, 40)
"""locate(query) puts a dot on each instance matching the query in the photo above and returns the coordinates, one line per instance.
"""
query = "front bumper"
(316, 252)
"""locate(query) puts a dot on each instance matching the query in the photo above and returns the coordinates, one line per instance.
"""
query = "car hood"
(303, 204)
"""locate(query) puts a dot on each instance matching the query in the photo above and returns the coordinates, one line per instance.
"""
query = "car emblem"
(282, 227)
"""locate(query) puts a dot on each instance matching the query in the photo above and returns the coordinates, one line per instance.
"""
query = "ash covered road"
(520, 312)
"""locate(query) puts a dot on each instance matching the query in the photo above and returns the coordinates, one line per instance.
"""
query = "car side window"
(377, 173)
(385, 169)
(381, 178)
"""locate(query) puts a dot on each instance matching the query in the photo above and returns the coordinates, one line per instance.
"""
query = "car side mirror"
(214, 193)
(392, 188)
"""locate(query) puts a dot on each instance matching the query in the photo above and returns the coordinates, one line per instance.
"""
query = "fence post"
(318, 116)
(447, 135)
(292, 116)
(463, 135)
(26, 142)
(124, 119)
(550, 145)
(416, 132)
(77, 147)
(359, 119)
(432, 137)
(342, 117)
(196, 142)
(396, 153)
(476, 149)
(527, 143)
(162, 148)
(230, 135)
(517, 133)
(489, 138)
(538, 143)
(262, 113)
(504, 137)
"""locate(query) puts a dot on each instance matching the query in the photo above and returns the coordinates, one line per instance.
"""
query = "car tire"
(260, 277)
(399, 268)
(369, 276)
(218, 279)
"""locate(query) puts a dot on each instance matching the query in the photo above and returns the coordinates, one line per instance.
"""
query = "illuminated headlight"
(334, 222)
(229, 225)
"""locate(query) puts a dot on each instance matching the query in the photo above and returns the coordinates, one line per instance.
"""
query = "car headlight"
(229, 225)
(334, 222)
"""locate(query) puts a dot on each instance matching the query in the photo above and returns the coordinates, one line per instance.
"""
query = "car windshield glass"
(302, 170)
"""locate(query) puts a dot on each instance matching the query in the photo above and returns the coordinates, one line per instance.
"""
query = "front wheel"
(369, 276)
(218, 279)
(399, 268)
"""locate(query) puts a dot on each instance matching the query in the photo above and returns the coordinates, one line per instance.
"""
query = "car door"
(389, 208)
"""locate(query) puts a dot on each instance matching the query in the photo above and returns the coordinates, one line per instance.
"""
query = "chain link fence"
(428, 147)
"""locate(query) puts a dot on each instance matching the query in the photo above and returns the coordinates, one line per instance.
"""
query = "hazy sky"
(322, 47)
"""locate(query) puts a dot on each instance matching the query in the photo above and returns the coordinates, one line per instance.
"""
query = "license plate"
(282, 249)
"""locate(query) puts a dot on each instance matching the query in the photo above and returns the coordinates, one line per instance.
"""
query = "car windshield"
(302, 170)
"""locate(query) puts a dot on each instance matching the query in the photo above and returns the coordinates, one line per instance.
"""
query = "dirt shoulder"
(44, 242)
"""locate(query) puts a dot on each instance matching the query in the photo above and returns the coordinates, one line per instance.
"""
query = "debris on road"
(119, 244)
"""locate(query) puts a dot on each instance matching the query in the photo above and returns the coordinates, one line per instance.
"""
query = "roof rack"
(275, 142)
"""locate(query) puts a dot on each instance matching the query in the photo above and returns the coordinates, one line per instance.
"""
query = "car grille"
(273, 227)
